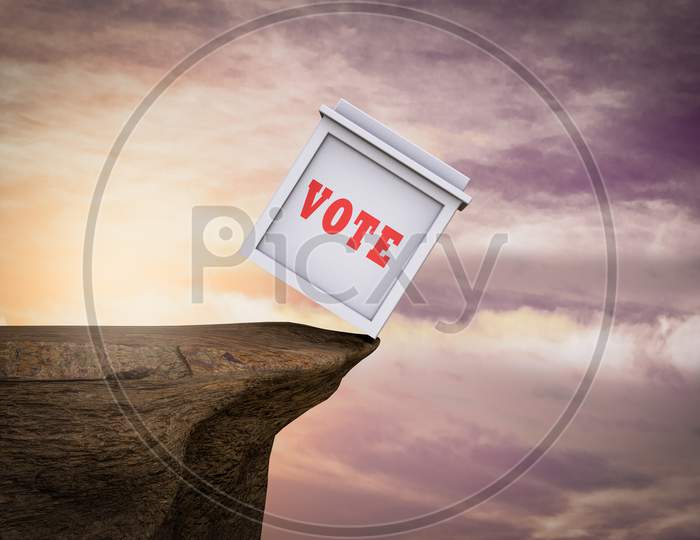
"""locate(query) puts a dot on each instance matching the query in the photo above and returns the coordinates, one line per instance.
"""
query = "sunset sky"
(429, 417)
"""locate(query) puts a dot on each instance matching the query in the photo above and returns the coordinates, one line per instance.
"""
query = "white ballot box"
(356, 216)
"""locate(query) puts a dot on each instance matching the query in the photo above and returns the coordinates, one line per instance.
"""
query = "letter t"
(365, 223)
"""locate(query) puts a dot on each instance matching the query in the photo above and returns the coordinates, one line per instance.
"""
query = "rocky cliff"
(168, 436)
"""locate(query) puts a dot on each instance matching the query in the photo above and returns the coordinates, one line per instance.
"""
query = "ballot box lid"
(387, 140)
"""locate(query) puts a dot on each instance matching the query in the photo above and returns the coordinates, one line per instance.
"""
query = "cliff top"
(51, 353)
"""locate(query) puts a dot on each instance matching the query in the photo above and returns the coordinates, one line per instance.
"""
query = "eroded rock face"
(152, 442)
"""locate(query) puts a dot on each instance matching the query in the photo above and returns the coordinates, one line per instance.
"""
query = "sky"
(430, 417)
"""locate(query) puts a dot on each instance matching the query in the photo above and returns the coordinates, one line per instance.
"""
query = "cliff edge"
(170, 438)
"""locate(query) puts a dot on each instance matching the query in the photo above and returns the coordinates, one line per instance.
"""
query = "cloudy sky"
(430, 417)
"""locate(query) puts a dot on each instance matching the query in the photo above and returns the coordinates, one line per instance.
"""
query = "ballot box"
(356, 216)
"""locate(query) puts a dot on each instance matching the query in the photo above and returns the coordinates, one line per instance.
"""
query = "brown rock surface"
(84, 455)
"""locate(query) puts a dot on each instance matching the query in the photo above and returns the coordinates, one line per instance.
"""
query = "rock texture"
(167, 437)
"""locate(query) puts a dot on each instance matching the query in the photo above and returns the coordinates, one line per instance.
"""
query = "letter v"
(309, 205)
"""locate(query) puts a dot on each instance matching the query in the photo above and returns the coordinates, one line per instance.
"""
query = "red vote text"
(338, 215)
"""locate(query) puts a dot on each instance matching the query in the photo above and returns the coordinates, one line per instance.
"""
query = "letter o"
(342, 205)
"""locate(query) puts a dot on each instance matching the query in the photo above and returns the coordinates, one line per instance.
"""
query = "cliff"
(173, 442)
